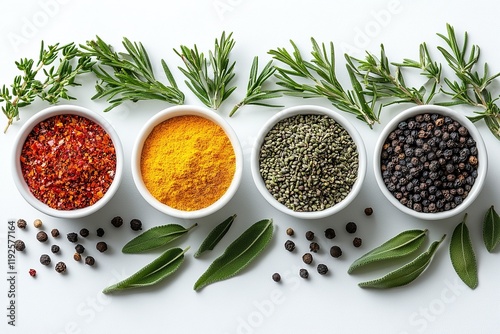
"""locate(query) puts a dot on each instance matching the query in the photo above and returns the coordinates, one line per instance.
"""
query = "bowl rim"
(182, 110)
(307, 110)
(26, 129)
(482, 157)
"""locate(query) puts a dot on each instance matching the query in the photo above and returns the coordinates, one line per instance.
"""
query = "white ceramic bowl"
(16, 164)
(482, 158)
(308, 110)
(181, 111)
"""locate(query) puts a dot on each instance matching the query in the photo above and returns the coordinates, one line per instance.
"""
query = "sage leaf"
(491, 229)
(155, 237)
(462, 255)
(239, 254)
(163, 266)
(407, 273)
(401, 245)
(215, 236)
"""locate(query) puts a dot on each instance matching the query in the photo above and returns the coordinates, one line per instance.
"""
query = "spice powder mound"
(187, 162)
(68, 162)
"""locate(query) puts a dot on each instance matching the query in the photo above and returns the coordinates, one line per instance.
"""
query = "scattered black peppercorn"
(330, 233)
(100, 232)
(322, 269)
(101, 246)
(307, 258)
(136, 225)
(368, 211)
(335, 251)
(79, 249)
(117, 221)
(89, 260)
(21, 223)
(77, 257)
(55, 249)
(309, 235)
(303, 273)
(84, 232)
(60, 267)
(357, 242)
(41, 236)
(351, 227)
(314, 247)
(19, 245)
(289, 245)
(45, 259)
(72, 237)
(276, 277)
(54, 232)
(289, 231)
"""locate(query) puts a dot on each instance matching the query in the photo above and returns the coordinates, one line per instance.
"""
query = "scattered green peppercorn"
(117, 221)
(100, 232)
(357, 242)
(19, 245)
(54, 232)
(314, 247)
(276, 277)
(289, 245)
(289, 231)
(136, 225)
(55, 249)
(60, 267)
(101, 246)
(322, 269)
(21, 223)
(330, 233)
(89, 260)
(351, 227)
(45, 259)
(304, 273)
(79, 249)
(368, 211)
(41, 236)
(72, 237)
(84, 232)
(335, 251)
(307, 258)
(309, 235)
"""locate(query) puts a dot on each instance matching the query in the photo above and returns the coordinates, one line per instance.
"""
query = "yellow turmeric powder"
(187, 162)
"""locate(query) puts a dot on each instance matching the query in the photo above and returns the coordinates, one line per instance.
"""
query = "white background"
(251, 302)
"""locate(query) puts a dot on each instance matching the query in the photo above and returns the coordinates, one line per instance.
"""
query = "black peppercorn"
(276, 277)
(136, 224)
(307, 258)
(72, 237)
(101, 246)
(84, 232)
(314, 247)
(330, 233)
(41, 236)
(19, 245)
(54, 232)
(368, 211)
(351, 227)
(21, 223)
(289, 245)
(335, 251)
(289, 231)
(322, 269)
(79, 249)
(45, 259)
(60, 267)
(55, 249)
(357, 242)
(100, 232)
(117, 221)
(303, 273)
(309, 235)
(89, 260)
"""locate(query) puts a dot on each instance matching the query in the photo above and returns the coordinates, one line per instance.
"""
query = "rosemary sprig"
(27, 87)
(471, 87)
(255, 93)
(321, 81)
(211, 87)
(129, 76)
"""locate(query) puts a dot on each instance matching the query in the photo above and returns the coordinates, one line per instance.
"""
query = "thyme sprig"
(255, 91)
(53, 87)
(212, 87)
(322, 82)
(129, 76)
(472, 88)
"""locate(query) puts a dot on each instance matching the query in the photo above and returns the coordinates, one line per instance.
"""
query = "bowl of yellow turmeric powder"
(187, 162)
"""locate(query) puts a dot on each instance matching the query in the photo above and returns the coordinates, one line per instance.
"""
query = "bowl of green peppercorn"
(430, 162)
(308, 161)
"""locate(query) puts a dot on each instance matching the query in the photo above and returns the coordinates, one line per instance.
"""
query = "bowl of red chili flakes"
(67, 162)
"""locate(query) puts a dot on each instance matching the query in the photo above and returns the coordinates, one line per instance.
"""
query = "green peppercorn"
(289, 245)
(101, 246)
(307, 258)
(79, 249)
(136, 224)
(314, 247)
(351, 227)
(330, 233)
(335, 251)
(117, 221)
(322, 269)
(41, 236)
(55, 249)
(100, 232)
(37, 223)
(60, 267)
(289, 231)
(276, 277)
(21, 223)
(72, 237)
(89, 260)
(19, 245)
(84, 232)
(54, 232)
(303, 273)
(309, 235)
(45, 259)
(357, 242)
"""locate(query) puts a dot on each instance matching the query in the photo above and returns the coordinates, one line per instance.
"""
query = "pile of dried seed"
(308, 162)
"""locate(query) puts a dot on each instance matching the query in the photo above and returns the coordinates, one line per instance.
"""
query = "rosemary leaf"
(215, 236)
(462, 255)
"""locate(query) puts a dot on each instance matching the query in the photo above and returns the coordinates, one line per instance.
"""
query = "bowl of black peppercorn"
(430, 162)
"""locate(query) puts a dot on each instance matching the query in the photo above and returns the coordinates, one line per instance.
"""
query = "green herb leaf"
(462, 255)
(155, 237)
(163, 266)
(401, 245)
(491, 229)
(238, 254)
(215, 236)
(407, 273)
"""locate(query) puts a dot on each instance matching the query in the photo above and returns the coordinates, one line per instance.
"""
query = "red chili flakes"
(68, 162)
